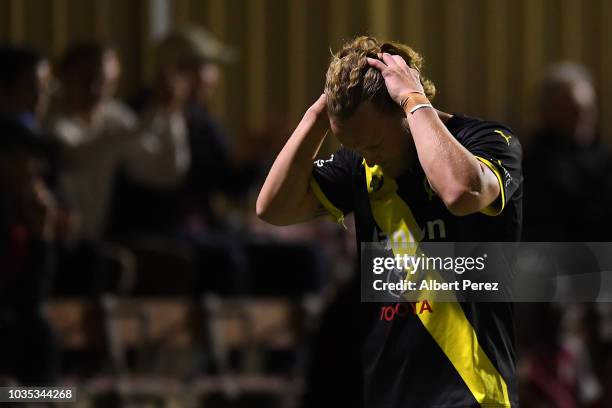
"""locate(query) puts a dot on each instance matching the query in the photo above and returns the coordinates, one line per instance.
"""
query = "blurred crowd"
(150, 197)
(566, 349)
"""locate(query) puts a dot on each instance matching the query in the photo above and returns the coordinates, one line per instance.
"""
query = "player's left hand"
(400, 79)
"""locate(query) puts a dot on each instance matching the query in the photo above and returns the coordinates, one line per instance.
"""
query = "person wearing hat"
(189, 61)
(201, 56)
(197, 54)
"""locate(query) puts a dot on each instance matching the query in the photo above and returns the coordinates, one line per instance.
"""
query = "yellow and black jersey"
(451, 355)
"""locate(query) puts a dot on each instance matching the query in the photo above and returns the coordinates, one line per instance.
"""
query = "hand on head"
(320, 105)
(319, 110)
(400, 79)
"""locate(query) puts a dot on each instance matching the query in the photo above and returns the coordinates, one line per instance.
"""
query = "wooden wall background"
(484, 55)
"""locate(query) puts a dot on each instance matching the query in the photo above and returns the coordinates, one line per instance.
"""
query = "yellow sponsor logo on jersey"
(505, 136)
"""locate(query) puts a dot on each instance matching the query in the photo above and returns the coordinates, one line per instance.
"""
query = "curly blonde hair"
(350, 80)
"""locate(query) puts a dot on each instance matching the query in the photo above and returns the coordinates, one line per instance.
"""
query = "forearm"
(454, 173)
(282, 199)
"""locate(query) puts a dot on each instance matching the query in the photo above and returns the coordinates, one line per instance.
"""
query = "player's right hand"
(400, 79)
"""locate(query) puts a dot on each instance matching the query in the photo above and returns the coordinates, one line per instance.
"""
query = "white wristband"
(419, 106)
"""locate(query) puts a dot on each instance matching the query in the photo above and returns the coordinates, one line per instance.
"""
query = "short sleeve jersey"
(456, 354)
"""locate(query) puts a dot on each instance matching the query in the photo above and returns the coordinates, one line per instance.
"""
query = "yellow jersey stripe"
(448, 325)
(493, 209)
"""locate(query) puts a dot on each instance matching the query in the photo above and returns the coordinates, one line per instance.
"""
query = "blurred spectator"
(583, 338)
(555, 367)
(25, 89)
(547, 370)
(199, 55)
(568, 171)
(187, 75)
(99, 134)
(191, 57)
(133, 213)
(25, 79)
(27, 224)
(568, 197)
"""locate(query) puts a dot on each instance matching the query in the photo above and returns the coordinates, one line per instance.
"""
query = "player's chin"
(385, 161)
(376, 161)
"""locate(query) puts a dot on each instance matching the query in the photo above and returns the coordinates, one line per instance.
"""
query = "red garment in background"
(13, 260)
(554, 375)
